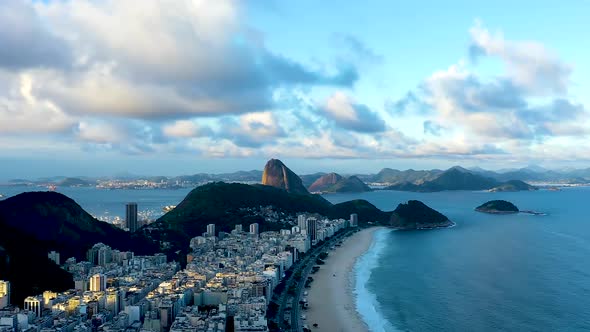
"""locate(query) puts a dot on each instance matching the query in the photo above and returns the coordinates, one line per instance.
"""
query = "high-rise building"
(34, 304)
(54, 256)
(114, 300)
(131, 217)
(302, 222)
(354, 220)
(4, 293)
(48, 297)
(211, 229)
(239, 228)
(105, 255)
(254, 229)
(312, 228)
(98, 282)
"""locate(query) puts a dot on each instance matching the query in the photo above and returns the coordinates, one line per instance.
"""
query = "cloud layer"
(192, 77)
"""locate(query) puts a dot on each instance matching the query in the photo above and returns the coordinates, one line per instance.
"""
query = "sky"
(102, 87)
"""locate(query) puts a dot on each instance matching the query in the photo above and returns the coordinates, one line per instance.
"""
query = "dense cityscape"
(232, 282)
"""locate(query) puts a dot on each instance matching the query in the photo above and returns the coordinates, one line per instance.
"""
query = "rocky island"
(417, 215)
(497, 207)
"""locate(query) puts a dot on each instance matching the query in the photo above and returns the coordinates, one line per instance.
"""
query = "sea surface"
(488, 273)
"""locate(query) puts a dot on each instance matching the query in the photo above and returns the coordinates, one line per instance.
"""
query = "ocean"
(488, 273)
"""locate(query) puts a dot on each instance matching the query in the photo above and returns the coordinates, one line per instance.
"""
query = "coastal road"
(306, 269)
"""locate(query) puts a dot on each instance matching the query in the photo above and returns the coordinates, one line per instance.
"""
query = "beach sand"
(330, 298)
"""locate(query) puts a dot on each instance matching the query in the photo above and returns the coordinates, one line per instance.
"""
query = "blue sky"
(171, 87)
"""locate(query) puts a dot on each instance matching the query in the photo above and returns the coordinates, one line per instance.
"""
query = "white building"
(211, 229)
(54, 256)
(98, 283)
(254, 229)
(34, 304)
(302, 222)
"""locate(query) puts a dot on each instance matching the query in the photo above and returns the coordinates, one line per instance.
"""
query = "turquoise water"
(489, 273)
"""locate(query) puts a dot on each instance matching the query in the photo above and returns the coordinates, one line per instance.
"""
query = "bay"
(489, 272)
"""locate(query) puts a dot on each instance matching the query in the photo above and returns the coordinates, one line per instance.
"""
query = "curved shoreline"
(332, 297)
(366, 304)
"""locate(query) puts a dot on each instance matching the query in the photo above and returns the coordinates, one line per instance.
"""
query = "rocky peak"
(277, 175)
(325, 182)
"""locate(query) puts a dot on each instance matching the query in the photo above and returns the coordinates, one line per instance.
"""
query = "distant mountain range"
(458, 178)
(386, 177)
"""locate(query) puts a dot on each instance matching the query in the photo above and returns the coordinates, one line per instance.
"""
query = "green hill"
(220, 203)
(35, 223)
(455, 178)
(417, 215)
(514, 185)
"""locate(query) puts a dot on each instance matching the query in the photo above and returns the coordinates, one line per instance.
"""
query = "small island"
(417, 215)
(497, 207)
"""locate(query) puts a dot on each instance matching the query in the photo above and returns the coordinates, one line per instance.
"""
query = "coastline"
(332, 304)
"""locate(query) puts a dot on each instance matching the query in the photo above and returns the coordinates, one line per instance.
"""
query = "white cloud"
(530, 64)
(101, 132)
(252, 129)
(350, 115)
(182, 128)
(24, 114)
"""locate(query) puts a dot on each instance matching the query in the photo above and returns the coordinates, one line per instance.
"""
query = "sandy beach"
(331, 302)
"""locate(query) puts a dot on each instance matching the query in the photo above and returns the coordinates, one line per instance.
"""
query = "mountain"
(35, 223)
(514, 185)
(74, 182)
(277, 175)
(393, 176)
(497, 207)
(309, 179)
(229, 204)
(365, 211)
(417, 215)
(455, 178)
(324, 182)
(241, 176)
(351, 184)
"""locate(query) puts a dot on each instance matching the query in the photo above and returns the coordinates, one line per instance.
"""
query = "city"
(232, 282)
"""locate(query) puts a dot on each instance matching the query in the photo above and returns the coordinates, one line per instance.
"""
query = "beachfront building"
(312, 229)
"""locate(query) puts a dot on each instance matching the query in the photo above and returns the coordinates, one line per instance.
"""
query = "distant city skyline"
(29, 170)
(99, 88)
